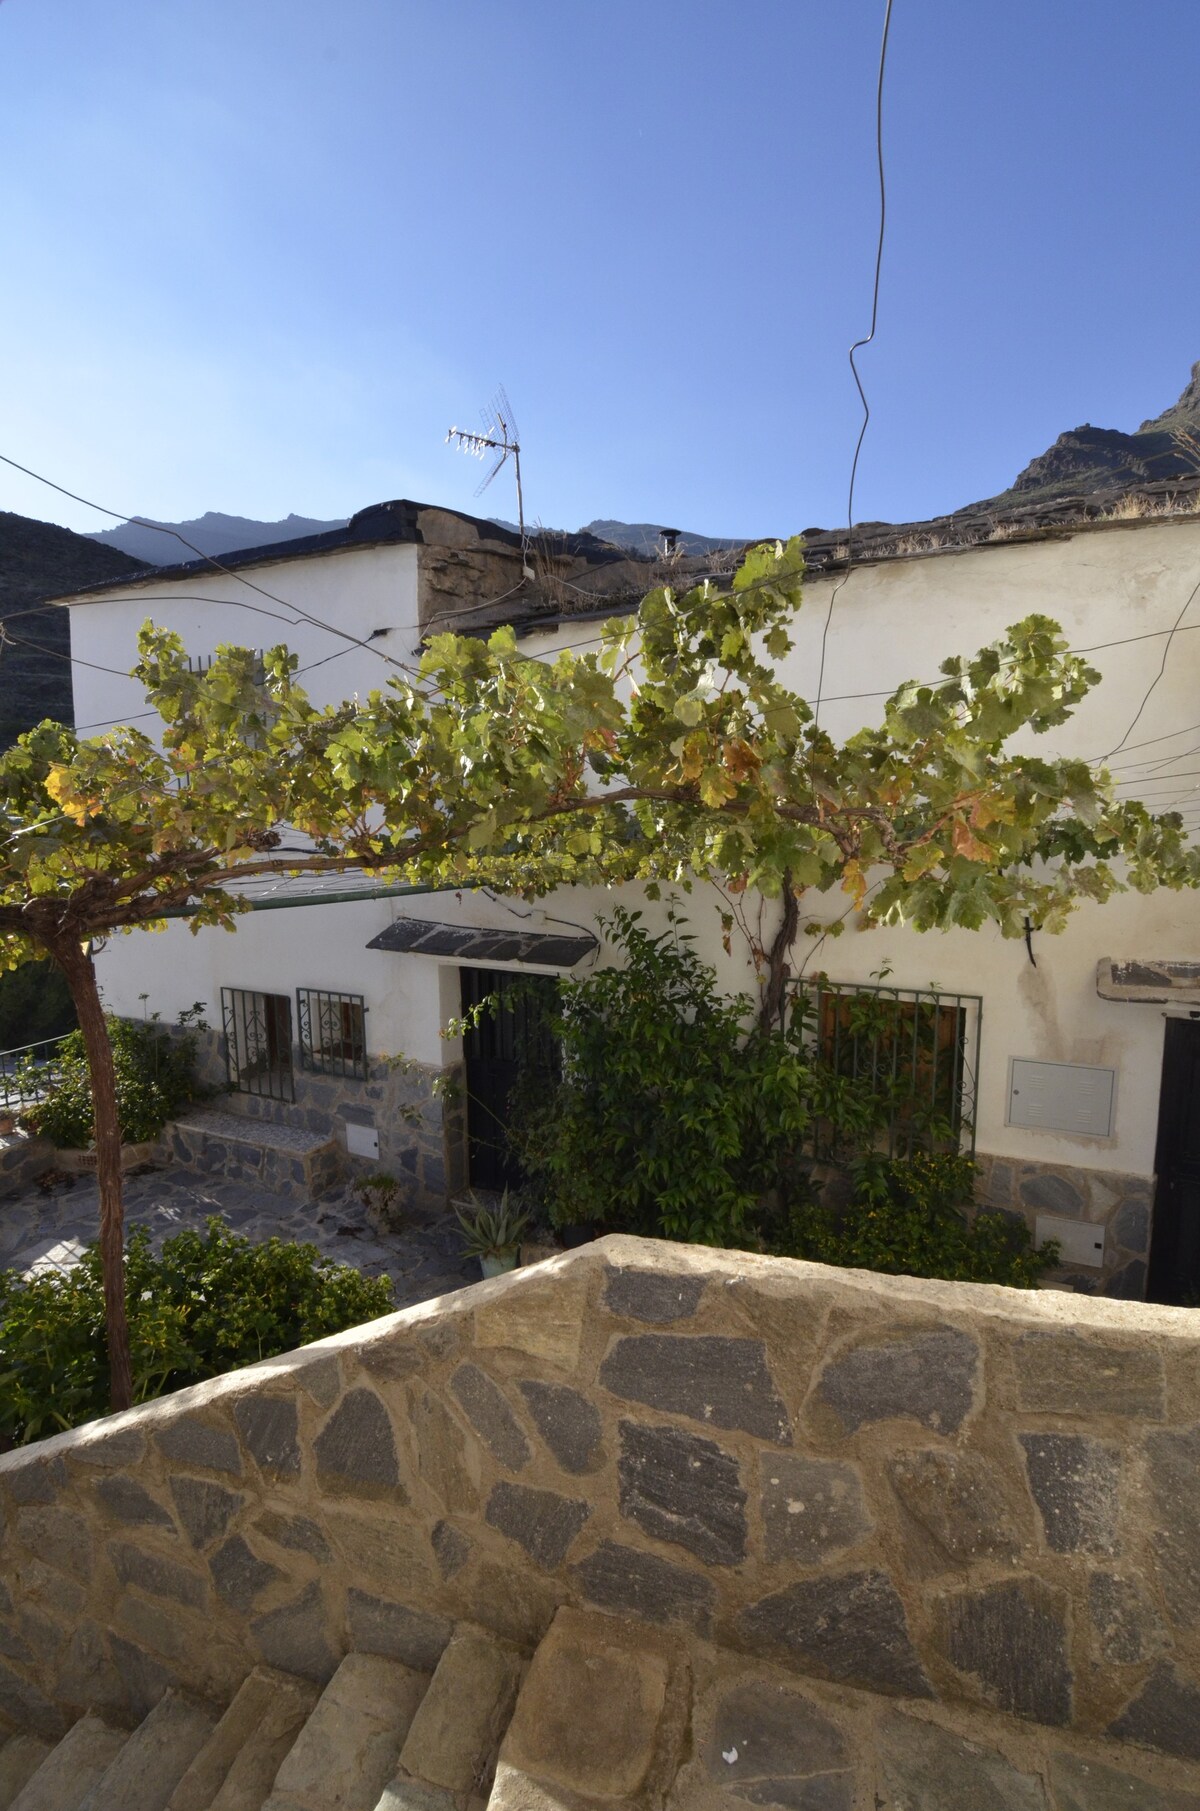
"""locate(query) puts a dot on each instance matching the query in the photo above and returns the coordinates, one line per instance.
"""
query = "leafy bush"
(156, 1078)
(910, 1218)
(666, 1117)
(213, 1301)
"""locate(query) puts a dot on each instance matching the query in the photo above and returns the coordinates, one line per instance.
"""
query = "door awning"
(467, 943)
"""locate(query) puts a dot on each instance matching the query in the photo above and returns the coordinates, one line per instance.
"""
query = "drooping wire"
(1161, 670)
(857, 347)
(299, 614)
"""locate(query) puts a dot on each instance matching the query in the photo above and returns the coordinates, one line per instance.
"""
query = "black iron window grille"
(333, 1032)
(202, 663)
(258, 1043)
(915, 1049)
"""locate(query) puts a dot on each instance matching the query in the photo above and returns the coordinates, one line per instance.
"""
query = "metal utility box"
(1061, 1097)
(362, 1141)
(1081, 1241)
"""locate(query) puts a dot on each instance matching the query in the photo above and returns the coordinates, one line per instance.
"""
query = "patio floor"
(40, 1231)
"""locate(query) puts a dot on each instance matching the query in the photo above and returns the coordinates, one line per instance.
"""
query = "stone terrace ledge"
(975, 1499)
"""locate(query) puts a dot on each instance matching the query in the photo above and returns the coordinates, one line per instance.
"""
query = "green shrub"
(911, 1217)
(156, 1078)
(666, 1116)
(212, 1302)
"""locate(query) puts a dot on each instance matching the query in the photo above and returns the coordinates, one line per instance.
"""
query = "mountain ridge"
(213, 533)
(39, 560)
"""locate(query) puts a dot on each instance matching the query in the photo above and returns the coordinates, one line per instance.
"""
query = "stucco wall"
(935, 1491)
(357, 591)
(892, 620)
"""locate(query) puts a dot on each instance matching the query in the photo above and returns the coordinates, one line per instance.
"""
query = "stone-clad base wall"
(1123, 1205)
(23, 1158)
(934, 1491)
(421, 1134)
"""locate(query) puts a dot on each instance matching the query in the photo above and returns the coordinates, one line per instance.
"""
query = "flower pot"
(497, 1262)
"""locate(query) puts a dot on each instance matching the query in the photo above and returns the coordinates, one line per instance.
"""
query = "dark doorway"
(507, 1042)
(1175, 1239)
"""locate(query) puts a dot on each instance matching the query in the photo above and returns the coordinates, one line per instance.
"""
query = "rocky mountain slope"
(212, 533)
(1087, 460)
(39, 560)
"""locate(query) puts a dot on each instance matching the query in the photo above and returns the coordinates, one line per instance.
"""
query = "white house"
(1076, 1060)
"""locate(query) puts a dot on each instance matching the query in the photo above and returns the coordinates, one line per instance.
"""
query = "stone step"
(601, 1715)
(20, 1757)
(456, 1733)
(67, 1776)
(236, 1768)
(283, 1158)
(350, 1746)
(155, 1758)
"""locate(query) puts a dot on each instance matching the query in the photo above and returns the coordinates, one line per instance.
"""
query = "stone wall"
(422, 1137)
(1123, 1205)
(23, 1158)
(951, 1494)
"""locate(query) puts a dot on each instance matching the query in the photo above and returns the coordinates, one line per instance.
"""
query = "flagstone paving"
(41, 1231)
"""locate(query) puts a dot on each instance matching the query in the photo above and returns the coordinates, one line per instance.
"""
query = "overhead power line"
(857, 347)
(1175, 628)
(299, 614)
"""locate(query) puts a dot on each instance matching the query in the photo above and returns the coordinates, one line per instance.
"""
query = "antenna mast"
(499, 435)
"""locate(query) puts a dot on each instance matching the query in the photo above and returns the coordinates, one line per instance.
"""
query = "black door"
(505, 1044)
(1175, 1239)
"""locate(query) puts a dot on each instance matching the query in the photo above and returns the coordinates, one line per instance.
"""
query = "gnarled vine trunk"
(76, 964)
(778, 973)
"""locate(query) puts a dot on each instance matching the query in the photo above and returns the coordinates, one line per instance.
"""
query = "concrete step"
(286, 1159)
(66, 1777)
(457, 1731)
(236, 1768)
(350, 1746)
(20, 1757)
(154, 1759)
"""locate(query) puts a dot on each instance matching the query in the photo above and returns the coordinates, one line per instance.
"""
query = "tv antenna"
(501, 436)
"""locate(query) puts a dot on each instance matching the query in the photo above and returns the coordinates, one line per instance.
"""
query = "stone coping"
(946, 1493)
(1048, 1309)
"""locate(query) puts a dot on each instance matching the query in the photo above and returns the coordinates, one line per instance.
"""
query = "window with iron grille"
(333, 1032)
(258, 1043)
(202, 663)
(917, 1051)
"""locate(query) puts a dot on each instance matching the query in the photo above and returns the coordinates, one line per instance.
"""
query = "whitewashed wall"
(357, 591)
(891, 621)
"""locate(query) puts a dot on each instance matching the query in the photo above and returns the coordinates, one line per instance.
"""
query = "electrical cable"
(1188, 730)
(857, 347)
(1161, 670)
(140, 522)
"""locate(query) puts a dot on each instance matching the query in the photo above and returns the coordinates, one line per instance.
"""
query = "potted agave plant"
(491, 1234)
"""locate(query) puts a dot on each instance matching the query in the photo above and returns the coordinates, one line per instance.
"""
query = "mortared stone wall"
(932, 1491)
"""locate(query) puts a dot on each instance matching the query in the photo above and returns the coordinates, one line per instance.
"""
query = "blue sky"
(261, 255)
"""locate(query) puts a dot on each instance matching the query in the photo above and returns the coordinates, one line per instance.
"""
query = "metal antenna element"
(501, 436)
